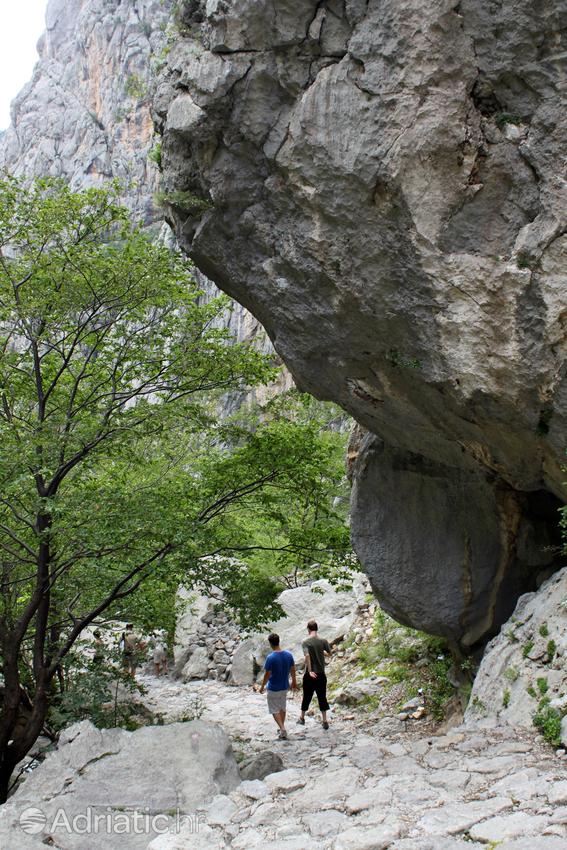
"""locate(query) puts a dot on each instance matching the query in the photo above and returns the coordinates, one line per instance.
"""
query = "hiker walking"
(314, 678)
(278, 668)
(160, 654)
(131, 647)
(99, 647)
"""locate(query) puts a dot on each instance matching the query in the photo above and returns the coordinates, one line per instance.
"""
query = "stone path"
(349, 789)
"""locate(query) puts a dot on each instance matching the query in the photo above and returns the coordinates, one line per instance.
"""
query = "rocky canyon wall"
(382, 184)
(85, 114)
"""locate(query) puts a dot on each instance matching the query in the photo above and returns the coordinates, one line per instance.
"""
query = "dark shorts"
(315, 686)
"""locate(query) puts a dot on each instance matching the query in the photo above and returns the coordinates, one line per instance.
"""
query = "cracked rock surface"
(380, 183)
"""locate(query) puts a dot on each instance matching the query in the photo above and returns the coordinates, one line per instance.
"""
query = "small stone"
(505, 827)
(220, 810)
(373, 838)
(286, 780)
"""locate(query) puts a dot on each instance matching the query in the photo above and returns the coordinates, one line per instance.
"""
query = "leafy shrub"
(542, 686)
(511, 674)
(135, 87)
(155, 154)
(548, 721)
(504, 118)
(184, 200)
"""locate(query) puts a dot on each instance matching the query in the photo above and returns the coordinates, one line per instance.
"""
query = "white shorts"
(276, 701)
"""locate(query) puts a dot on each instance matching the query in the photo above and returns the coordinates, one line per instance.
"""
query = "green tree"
(114, 471)
(104, 347)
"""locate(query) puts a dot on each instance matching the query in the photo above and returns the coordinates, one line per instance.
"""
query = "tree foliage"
(114, 468)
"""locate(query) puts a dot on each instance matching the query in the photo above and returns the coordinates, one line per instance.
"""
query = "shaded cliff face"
(384, 190)
(85, 114)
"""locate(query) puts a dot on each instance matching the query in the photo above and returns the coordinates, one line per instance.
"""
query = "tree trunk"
(6, 771)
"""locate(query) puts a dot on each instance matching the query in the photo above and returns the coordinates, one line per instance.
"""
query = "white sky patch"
(21, 24)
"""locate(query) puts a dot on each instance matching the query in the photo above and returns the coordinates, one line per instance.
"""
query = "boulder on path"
(334, 610)
(151, 777)
(193, 607)
(260, 765)
(197, 666)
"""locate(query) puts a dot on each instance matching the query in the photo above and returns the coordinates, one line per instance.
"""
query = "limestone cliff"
(381, 183)
(85, 113)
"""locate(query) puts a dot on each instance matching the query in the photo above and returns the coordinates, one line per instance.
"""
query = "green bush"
(542, 686)
(135, 87)
(511, 674)
(155, 154)
(183, 200)
(548, 721)
(504, 118)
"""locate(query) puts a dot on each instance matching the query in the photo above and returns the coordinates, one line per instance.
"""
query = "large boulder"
(166, 771)
(197, 666)
(189, 626)
(526, 661)
(334, 611)
(380, 185)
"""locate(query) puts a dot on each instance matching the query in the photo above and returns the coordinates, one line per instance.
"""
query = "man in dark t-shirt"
(314, 678)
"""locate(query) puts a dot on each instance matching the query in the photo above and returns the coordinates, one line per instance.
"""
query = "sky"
(21, 24)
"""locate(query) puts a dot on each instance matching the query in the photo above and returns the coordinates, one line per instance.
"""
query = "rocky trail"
(349, 789)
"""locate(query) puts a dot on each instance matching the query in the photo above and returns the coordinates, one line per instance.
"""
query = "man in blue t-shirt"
(278, 667)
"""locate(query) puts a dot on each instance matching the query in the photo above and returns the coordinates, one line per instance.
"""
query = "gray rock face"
(157, 770)
(383, 192)
(526, 661)
(84, 115)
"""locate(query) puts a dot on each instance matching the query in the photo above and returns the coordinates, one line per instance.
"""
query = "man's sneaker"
(301, 721)
(283, 734)
(325, 725)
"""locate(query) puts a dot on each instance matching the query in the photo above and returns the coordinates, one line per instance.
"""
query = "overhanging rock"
(379, 185)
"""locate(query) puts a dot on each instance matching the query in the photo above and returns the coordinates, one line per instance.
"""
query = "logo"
(108, 822)
(32, 821)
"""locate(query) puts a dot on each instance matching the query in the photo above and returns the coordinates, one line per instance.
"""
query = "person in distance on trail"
(160, 654)
(278, 668)
(314, 678)
(99, 647)
(131, 647)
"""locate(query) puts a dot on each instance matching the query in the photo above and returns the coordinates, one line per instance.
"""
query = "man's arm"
(293, 678)
(267, 674)
(307, 658)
